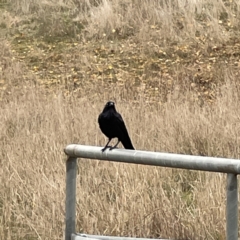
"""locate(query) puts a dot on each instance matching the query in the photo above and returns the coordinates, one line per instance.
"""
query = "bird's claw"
(110, 148)
(106, 148)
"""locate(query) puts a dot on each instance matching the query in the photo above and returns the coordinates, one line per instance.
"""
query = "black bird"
(113, 126)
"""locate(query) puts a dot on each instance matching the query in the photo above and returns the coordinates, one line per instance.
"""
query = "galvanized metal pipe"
(70, 215)
(232, 207)
(156, 159)
(230, 166)
(83, 236)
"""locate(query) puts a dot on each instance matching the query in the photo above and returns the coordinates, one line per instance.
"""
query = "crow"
(113, 126)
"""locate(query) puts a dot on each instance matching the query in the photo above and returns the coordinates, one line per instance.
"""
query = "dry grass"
(164, 21)
(114, 199)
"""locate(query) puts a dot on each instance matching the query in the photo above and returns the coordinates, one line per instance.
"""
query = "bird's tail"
(126, 142)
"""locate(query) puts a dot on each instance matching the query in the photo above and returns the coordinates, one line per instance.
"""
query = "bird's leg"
(115, 145)
(109, 140)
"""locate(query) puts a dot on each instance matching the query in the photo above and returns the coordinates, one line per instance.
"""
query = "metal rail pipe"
(70, 215)
(83, 236)
(224, 165)
(232, 207)
(211, 164)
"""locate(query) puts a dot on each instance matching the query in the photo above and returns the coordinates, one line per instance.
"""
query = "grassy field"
(172, 67)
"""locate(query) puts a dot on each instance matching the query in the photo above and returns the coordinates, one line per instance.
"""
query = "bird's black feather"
(112, 125)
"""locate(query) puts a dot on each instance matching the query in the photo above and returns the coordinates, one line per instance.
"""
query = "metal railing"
(224, 165)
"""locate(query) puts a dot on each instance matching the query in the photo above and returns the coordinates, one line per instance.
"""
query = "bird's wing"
(123, 133)
(102, 123)
(100, 117)
(120, 122)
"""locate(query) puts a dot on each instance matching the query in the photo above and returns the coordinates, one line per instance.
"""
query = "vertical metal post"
(232, 207)
(70, 215)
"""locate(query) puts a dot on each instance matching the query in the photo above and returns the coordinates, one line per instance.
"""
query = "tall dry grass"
(113, 199)
(162, 21)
